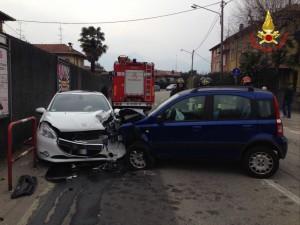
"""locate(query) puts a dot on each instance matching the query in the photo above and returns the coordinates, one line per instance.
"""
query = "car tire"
(260, 162)
(138, 157)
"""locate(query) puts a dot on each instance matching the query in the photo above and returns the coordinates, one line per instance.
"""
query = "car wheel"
(138, 157)
(261, 162)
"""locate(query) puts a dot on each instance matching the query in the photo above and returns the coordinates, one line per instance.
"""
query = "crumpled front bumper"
(54, 150)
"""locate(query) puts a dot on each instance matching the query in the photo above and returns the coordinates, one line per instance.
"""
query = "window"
(189, 109)
(229, 107)
(265, 109)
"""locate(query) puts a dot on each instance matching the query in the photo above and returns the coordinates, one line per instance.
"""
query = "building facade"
(65, 52)
(287, 21)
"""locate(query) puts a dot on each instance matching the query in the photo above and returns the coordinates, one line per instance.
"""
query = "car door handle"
(247, 126)
(197, 127)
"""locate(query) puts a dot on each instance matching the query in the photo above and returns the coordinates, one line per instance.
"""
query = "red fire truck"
(133, 84)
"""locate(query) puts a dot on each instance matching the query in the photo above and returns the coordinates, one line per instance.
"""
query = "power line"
(228, 1)
(17, 31)
(117, 21)
(203, 58)
(20, 30)
(11, 28)
(208, 32)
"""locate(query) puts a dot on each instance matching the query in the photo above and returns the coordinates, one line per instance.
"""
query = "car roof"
(79, 92)
(229, 89)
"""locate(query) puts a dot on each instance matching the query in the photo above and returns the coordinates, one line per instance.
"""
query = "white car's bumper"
(49, 150)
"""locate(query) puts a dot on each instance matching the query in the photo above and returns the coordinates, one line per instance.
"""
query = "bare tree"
(250, 11)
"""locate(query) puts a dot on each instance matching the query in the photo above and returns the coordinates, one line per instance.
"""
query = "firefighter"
(246, 81)
(204, 82)
(179, 86)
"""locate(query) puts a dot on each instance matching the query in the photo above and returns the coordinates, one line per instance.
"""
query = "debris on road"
(26, 186)
(61, 172)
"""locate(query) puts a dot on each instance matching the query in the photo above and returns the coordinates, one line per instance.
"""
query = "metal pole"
(176, 63)
(193, 52)
(235, 80)
(222, 36)
(34, 141)
(9, 156)
(10, 159)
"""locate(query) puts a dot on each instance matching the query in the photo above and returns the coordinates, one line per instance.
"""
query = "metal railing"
(10, 159)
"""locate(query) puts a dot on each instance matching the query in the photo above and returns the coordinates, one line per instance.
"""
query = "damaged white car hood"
(76, 121)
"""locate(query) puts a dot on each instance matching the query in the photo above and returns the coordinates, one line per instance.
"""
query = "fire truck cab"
(133, 84)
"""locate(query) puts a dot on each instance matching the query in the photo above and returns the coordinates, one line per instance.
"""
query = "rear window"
(265, 109)
(230, 107)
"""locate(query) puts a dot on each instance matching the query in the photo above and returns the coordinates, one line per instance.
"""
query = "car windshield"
(79, 103)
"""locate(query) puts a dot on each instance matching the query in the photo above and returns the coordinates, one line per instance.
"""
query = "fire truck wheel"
(139, 157)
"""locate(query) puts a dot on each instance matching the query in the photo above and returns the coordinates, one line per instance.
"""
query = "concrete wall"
(33, 77)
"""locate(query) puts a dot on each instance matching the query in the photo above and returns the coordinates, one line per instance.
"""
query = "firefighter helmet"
(180, 81)
(246, 80)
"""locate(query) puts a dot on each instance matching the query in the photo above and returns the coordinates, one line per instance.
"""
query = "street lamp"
(223, 3)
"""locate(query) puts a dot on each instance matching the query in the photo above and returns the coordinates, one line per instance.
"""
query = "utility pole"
(222, 36)
(192, 69)
(176, 63)
(223, 3)
(192, 53)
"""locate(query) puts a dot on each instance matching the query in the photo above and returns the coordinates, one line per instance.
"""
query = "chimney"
(70, 45)
(241, 27)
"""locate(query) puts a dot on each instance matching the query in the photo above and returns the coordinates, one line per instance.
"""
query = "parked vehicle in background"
(156, 87)
(78, 126)
(171, 87)
(212, 123)
(133, 84)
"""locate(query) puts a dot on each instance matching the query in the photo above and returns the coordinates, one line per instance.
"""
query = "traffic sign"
(236, 72)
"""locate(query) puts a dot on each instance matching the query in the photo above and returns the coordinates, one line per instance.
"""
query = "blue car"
(238, 123)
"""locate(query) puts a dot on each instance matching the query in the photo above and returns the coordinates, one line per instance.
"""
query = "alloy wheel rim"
(261, 163)
(137, 159)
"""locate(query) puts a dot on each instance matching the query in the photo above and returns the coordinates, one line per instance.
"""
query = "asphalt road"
(179, 193)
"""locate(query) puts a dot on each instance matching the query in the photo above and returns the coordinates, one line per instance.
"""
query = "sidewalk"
(293, 124)
(17, 211)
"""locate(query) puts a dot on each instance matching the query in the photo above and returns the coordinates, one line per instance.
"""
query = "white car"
(171, 87)
(78, 126)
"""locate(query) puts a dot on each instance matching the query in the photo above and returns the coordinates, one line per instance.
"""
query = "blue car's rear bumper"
(282, 144)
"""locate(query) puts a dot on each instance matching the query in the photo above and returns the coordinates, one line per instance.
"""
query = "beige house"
(66, 52)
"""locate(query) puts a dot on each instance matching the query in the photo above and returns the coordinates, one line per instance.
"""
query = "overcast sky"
(157, 40)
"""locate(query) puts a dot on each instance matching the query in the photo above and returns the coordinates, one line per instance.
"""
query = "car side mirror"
(160, 118)
(40, 110)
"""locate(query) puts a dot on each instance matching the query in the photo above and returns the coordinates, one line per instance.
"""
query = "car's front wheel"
(138, 157)
(261, 162)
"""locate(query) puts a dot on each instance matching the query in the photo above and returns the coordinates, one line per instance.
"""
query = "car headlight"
(46, 131)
